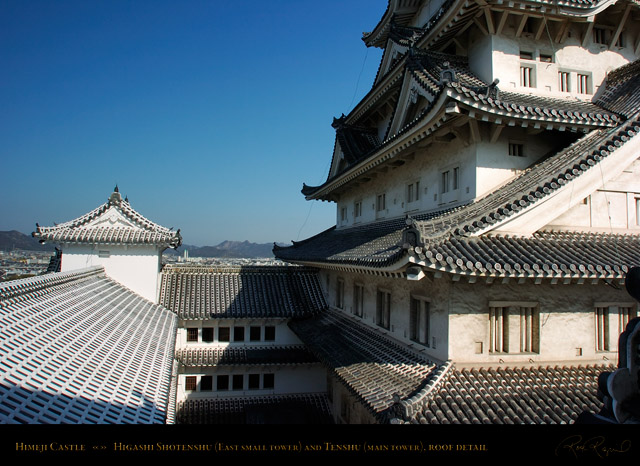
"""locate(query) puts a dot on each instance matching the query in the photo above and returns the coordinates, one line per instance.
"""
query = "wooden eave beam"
(588, 31)
(623, 20)
(480, 26)
(522, 24)
(474, 131)
(541, 28)
(489, 18)
(502, 21)
(495, 134)
(563, 30)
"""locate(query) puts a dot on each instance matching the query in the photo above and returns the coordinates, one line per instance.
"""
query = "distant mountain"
(227, 249)
(10, 240)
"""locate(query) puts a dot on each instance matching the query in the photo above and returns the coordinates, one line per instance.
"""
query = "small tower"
(117, 237)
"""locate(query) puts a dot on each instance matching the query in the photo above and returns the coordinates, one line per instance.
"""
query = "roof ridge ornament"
(448, 74)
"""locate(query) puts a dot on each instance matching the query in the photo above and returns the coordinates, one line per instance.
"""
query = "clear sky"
(208, 115)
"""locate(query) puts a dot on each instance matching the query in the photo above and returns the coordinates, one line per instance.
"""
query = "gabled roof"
(194, 292)
(79, 348)
(377, 370)
(114, 222)
(452, 90)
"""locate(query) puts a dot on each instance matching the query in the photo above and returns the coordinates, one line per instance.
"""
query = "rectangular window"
(602, 328)
(625, 314)
(254, 333)
(546, 58)
(238, 333)
(190, 383)
(358, 299)
(381, 202)
(192, 334)
(526, 55)
(224, 334)
(444, 187)
(383, 309)
(620, 41)
(413, 192)
(357, 209)
(343, 214)
(207, 334)
(563, 81)
(600, 36)
(526, 76)
(222, 382)
(516, 149)
(340, 294)
(268, 381)
(637, 211)
(269, 333)
(514, 328)
(456, 178)
(419, 322)
(238, 382)
(206, 383)
(254, 381)
(583, 84)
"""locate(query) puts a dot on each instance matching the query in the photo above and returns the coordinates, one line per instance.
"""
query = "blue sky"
(209, 115)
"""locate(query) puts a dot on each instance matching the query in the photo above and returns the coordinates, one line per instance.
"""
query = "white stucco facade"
(136, 267)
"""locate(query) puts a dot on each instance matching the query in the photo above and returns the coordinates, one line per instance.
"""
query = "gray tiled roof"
(245, 355)
(280, 409)
(90, 228)
(240, 292)
(376, 369)
(468, 90)
(77, 347)
(377, 244)
(545, 254)
(538, 395)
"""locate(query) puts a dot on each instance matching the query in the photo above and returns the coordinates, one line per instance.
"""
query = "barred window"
(514, 327)
(383, 310)
(190, 383)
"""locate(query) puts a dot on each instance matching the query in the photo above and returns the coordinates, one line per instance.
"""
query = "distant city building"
(487, 194)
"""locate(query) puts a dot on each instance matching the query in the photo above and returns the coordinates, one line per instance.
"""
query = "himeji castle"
(487, 193)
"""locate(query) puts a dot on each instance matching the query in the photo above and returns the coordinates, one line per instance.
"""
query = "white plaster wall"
(494, 164)
(595, 60)
(401, 292)
(427, 167)
(567, 321)
(426, 12)
(310, 378)
(136, 267)
(460, 316)
(613, 208)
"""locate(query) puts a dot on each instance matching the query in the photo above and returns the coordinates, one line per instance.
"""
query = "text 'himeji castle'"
(487, 193)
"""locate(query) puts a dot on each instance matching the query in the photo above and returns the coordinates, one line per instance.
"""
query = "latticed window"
(526, 76)
(207, 334)
(583, 84)
(514, 327)
(602, 328)
(190, 383)
(340, 293)
(269, 333)
(192, 334)
(563, 81)
(383, 309)
(224, 334)
(419, 321)
(358, 299)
